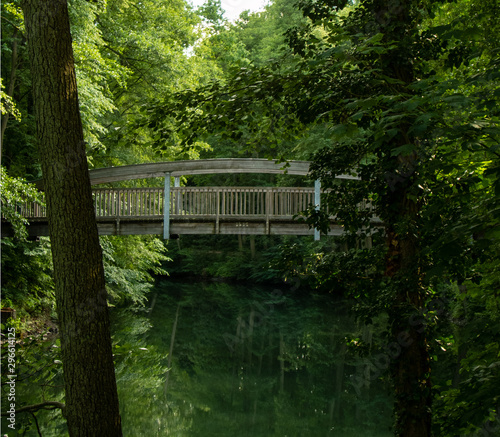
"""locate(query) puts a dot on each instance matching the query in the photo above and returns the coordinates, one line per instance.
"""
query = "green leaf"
(456, 99)
(404, 150)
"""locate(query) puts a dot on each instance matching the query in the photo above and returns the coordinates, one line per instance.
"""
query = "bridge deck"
(154, 226)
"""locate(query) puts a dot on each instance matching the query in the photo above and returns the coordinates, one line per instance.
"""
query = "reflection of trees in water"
(246, 361)
(220, 359)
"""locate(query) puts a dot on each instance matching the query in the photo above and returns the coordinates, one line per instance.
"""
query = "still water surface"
(226, 360)
(244, 361)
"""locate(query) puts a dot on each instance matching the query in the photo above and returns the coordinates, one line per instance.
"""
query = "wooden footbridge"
(196, 210)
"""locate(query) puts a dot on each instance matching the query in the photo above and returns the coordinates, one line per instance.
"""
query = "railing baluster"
(150, 197)
(158, 202)
(185, 197)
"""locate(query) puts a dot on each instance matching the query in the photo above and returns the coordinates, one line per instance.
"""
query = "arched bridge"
(196, 210)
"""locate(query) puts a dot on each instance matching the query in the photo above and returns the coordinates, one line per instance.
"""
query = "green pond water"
(217, 359)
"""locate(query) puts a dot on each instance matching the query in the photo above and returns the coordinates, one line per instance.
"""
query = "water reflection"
(229, 360)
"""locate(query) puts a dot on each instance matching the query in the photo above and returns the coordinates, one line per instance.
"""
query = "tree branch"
(36, 423)
(15, 26)
(48, 405)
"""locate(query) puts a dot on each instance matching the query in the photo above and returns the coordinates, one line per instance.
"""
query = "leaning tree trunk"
(90, 386)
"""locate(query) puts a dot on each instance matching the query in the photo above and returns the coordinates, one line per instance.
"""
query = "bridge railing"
(128, 202)
(33, 209)
(192, 201)
(196, 202)
(240, 201)
(203, 201)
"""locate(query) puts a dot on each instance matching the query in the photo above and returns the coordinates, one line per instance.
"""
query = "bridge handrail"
(197, 202)
(197, 167)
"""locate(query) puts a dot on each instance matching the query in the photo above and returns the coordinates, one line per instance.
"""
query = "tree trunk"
(410, 359)
(411, 365)
(90, 386)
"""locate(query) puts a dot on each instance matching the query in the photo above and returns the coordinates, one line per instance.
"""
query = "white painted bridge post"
(317, 203)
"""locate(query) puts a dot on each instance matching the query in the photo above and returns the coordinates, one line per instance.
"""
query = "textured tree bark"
(90, 386)
(411, 365)
(411, 362)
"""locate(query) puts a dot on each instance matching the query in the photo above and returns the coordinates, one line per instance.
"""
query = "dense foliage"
(403, 94)
(408, 94)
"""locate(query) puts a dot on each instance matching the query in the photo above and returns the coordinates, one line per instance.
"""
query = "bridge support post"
(166, 208)
(317, 203)
(268, 211)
